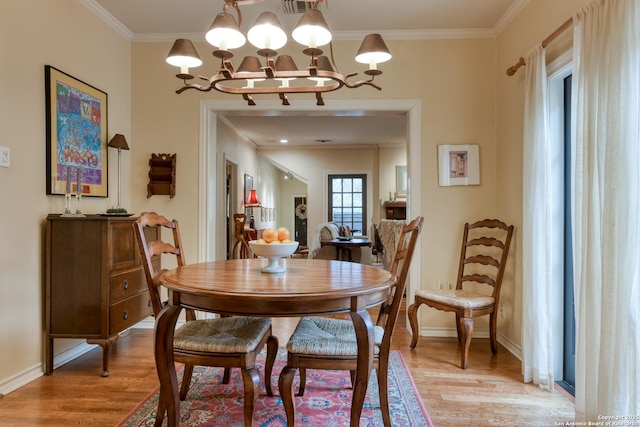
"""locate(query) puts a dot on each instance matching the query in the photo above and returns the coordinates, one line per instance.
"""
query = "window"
(348, 201)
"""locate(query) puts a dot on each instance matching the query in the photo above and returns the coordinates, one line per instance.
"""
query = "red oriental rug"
(326, 403)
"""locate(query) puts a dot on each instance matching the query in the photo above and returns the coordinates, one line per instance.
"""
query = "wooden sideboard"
(395, 210)
(95, 285)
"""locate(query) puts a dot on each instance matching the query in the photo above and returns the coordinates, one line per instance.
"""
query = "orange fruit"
(283, 233)
(269, 235)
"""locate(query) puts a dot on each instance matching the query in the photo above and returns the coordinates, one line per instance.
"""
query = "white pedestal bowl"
(273, 252)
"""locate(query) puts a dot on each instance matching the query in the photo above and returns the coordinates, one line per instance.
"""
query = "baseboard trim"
(507, 343)
(37, 371)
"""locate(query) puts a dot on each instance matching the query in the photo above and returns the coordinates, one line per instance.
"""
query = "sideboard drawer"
(127, 283)
(129, 312)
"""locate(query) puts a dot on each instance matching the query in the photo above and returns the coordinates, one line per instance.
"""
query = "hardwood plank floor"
(489, 393)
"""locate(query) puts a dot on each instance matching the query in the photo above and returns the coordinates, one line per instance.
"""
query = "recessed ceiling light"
(284, 141)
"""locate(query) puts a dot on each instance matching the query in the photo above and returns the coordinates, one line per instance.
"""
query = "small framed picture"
(401, 181)
(458, 165)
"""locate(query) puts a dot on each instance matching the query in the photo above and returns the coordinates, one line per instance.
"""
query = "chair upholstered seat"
(328, 337)
(222, 335)
(457, 297)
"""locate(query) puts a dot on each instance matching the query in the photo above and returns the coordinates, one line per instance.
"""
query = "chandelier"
(278, 74)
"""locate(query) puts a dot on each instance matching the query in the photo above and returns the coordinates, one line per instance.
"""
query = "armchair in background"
(330, 231)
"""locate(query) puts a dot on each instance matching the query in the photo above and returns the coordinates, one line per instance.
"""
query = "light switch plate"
(5, 157)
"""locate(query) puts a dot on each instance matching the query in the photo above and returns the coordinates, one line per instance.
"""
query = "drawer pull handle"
(125, 315)
(149, 303)
(125, 284)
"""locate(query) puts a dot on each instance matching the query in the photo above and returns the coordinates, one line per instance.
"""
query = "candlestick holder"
(67, 205)
(78, 200)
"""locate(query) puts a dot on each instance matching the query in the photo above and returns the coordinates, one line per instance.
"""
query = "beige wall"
(464, 95)
(539, 19)
(62, 33)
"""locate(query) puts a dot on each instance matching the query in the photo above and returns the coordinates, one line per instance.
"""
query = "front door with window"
(348, 201)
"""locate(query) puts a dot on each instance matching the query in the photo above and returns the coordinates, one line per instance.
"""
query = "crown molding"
(427, 34)
(466, 33)
(99, 11)
(509, 15)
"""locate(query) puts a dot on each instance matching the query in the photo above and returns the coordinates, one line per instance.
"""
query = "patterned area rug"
(326, 402)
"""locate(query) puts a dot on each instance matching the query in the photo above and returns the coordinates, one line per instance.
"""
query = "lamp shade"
(249, 64)
(225, 33)
(118, 141)
(373, 50)
(252, 200)
(285, 63)
(267, 33)
(323, 65)
(312, 30)
(184, 54)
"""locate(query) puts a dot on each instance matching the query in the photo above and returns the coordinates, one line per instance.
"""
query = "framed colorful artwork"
(458, 165)
(76, 124)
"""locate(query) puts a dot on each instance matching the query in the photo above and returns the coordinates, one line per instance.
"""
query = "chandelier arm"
(284, 98)
(194, 86)
(333, 61)
(233, 4)
(360, 83)
(247, 97)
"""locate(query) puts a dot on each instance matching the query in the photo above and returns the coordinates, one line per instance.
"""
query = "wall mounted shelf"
(162, 175)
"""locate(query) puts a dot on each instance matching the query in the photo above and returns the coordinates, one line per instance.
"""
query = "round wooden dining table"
(239, 288)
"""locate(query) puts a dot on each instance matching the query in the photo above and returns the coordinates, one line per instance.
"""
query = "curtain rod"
(567, 24)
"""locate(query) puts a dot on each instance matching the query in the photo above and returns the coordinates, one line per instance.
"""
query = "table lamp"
(252, 202)
(118, 141)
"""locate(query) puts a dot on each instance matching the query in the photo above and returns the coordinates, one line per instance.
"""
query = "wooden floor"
(489, 393)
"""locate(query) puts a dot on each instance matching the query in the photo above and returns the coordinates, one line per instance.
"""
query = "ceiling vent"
(296, 6)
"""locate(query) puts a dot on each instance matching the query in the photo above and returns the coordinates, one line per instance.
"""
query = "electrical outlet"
(5, 157)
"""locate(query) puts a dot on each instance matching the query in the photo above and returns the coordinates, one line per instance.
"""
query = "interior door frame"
(212, 163)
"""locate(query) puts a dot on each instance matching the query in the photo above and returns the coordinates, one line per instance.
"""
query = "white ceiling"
(166, 20)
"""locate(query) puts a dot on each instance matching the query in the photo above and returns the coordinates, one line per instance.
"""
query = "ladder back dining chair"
(330, 343)
(483, 258)
(227, 342)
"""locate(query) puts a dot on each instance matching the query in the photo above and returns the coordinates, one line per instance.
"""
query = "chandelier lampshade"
(267, 33)
(373, 51)
(312, 30)
(225, 33)
(184, 55)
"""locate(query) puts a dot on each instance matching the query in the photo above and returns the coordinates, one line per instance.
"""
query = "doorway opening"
(211, 222)
(300, 219)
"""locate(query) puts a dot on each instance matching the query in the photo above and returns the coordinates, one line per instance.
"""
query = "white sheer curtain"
(606, 138)
(541, 228)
